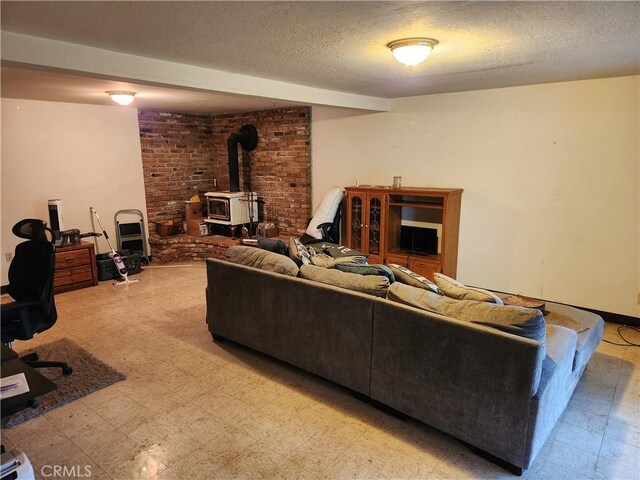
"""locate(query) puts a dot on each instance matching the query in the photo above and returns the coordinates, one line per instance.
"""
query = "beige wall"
(85, 155)
(550, 176)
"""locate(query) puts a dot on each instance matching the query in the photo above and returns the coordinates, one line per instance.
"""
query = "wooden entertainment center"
(377, 215)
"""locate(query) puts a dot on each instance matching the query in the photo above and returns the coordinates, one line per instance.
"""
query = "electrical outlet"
(8, 256)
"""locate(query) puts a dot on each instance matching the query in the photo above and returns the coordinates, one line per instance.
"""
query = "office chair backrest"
(32, 269)
(327, 217)
(31, 229)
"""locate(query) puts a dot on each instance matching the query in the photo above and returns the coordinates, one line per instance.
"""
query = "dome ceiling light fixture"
(121, 97)
(412, 51)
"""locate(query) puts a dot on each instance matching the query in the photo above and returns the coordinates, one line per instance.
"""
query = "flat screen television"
(419, 240)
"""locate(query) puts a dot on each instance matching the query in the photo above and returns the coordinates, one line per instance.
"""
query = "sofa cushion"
(588, 339)
(298, 252)
(273, 245)
(371, 284)
(561, 343)
(525, 322)
(262, 259)
(454, 289)
(408, 277)
(555, 318)
(366, 270)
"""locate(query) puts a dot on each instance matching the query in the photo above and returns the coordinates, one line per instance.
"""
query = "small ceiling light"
(412, 51)
(122, 98)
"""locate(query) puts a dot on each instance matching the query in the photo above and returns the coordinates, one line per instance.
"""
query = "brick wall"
(183, 153)
(177, 161)
(280, 164)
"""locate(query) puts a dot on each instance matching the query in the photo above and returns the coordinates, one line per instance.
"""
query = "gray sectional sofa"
(491, 389)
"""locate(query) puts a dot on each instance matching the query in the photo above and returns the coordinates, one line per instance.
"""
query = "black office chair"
(330, 231)
(324, 226)
(31, 286)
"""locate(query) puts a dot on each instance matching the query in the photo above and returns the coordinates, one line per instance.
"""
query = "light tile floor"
(194, 409)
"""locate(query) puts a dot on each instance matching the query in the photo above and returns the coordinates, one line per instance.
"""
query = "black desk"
(8, 354)
(38, 384)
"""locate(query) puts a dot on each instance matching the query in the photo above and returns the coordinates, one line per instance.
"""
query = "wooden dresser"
(75, 267)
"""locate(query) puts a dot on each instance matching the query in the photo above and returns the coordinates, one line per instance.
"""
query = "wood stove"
(231, 208)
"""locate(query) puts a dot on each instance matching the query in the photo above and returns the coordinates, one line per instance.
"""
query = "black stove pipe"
(232, 153)
(247, 137)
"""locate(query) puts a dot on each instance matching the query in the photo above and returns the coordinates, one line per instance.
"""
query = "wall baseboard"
(614, 317)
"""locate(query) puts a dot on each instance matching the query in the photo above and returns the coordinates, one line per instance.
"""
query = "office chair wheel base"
(32, 357)
(66, 369)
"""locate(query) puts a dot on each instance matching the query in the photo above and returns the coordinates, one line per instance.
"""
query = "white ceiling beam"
(25, 49)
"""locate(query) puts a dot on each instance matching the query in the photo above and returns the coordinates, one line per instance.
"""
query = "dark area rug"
(89, 374)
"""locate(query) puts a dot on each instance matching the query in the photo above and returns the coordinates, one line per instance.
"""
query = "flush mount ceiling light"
(412, 51)
(121, 98)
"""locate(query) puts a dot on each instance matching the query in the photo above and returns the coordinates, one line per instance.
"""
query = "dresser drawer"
(398, 259)
(425, 268)
(75, 268)
(72, 275)
(73, 258)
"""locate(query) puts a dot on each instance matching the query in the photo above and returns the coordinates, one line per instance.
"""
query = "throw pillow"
(408, 277)
(367, 270)
(325, 261)
(459, 291)
(370, 284)
(298, 252)
(525, 322)
(262, 259)
(336, 251)
(273, 245)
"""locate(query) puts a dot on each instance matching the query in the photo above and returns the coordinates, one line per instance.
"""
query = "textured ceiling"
(341, 45)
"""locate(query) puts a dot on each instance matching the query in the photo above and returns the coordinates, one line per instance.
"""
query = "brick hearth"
(180, 248)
